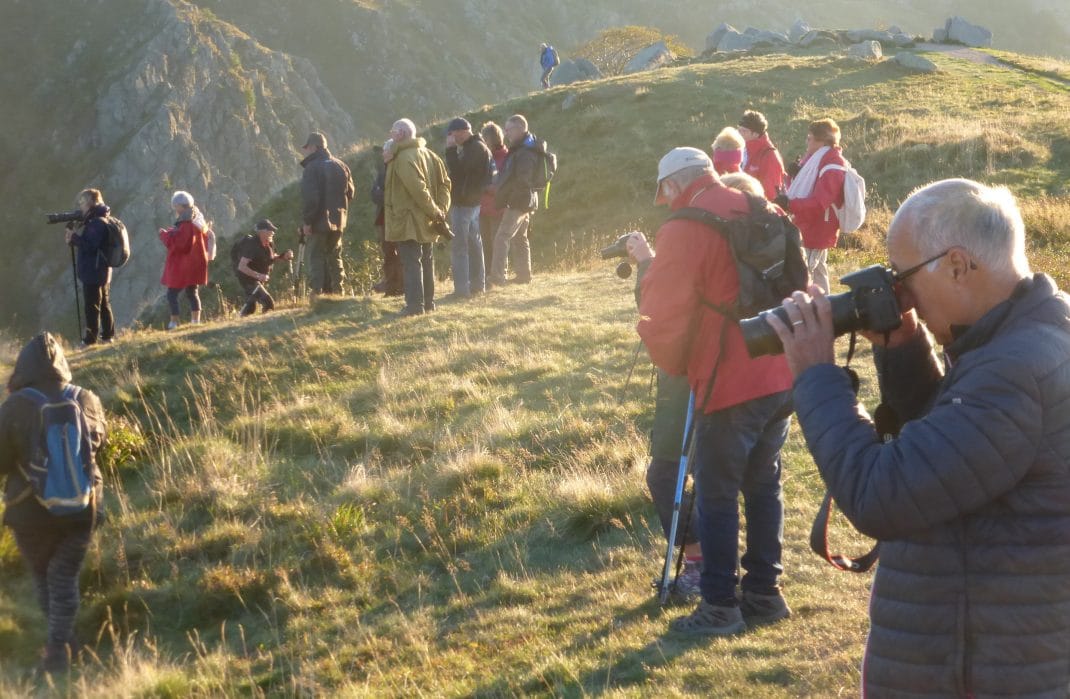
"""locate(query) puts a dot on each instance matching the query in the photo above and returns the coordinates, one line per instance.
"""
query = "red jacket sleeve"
(669, 301)
(179, 239)
(771, 173)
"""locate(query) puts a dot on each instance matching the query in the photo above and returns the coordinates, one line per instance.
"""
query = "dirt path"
(963, 52)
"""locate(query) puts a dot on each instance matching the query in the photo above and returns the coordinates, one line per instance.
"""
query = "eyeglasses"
(900, 276)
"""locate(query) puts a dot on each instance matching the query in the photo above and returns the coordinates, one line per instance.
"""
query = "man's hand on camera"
(288, 255)
(809, 340)
(638, 248)
(69, 235)
(901, 335)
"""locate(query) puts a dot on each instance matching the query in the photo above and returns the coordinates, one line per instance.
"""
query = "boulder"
(717, 34)
(798, 31)
(860, 35)
(575, 70)
(819, 37)
(894, 29)
(963, 32)
(902, 40)
(915, 62)
(866, 50)
(940, 35)
(735, 41)
(653, 56)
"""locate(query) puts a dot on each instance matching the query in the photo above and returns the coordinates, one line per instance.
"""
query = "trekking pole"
(686, 453)
(77, 303)
(300, 259)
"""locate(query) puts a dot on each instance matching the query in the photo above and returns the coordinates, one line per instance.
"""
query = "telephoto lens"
(869, 305)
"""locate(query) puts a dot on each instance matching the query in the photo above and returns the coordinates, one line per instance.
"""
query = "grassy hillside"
(331, 500)
(900, 129)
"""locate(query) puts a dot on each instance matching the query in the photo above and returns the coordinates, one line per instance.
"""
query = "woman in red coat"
(186, 266)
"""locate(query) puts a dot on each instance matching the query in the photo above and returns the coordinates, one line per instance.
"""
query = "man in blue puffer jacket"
(971, 501)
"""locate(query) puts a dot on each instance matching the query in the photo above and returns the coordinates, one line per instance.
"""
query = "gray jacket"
(971, 503)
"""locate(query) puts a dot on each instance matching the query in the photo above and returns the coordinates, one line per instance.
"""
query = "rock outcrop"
(653, 56)
(866, 50)
(574, 70)
(915, 62)
(958, 29)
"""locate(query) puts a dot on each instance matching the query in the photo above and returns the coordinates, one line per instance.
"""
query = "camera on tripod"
(869, 305)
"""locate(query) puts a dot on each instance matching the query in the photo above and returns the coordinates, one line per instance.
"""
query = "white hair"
(963, 213)
(405, 127)
(181, 198)
(687, 175)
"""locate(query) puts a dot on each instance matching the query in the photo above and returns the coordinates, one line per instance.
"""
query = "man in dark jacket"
(326, 190)
(971, 501)
(468, 162)
(53, 547)
(391, 282)
(518, 196)
(91, 240)
(255, 255)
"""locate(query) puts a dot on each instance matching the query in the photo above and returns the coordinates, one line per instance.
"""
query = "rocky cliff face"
(195, 105)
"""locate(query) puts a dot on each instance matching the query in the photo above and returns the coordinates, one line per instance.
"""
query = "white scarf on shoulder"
(803, 184)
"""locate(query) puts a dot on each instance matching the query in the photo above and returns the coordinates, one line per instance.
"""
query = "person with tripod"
(89, 239)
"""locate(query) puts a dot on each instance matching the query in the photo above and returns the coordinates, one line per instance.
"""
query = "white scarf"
(803, 184)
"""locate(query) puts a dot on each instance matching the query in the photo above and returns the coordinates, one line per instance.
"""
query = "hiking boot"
(763, 609)
(57, 659)
(687, 582)
(172, 325)
(710, 620)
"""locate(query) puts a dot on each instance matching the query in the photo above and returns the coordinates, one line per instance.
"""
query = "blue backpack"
(60, 468)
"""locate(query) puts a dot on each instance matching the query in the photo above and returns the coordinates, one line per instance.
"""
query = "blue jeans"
(466, 251)
(738, 450)
(418, 276)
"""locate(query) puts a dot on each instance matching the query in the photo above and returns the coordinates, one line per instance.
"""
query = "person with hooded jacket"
(91, 241)
(971, 499)
(52, 547)
(517, 195)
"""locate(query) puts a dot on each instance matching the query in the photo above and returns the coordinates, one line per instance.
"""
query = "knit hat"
(266, 225)
(458, 124)
(316, 140)
(754, 121)
(181, 198)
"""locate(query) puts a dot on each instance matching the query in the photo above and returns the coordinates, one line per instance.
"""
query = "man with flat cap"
(253, 256)
(469, 164)
(326, 190)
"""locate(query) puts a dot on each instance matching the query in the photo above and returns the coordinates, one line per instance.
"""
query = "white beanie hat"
(181, 198)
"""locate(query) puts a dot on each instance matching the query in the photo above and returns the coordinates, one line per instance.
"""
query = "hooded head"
(41, 363)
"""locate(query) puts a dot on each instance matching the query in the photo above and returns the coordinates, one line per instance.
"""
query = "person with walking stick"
(742, 406)
(88, 240)
(253, 256)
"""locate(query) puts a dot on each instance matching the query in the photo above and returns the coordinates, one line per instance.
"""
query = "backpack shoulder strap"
(833, 166)
(34, 395)
(703, 216)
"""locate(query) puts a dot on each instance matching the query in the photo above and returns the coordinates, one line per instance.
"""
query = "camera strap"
(887, 424)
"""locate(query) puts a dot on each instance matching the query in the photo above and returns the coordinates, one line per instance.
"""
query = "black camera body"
(619, 248)
(869, 305)
(441, 227)
(75, 216)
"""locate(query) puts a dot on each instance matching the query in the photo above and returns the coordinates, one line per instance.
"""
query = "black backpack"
(117, 248)
(767, 249)
(236, 250)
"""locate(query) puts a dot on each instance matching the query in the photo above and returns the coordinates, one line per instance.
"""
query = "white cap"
(680, 159)
(182, 199)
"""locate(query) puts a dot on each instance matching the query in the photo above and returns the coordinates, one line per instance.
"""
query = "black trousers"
(254, 292)
(54, 557)
(99, 323)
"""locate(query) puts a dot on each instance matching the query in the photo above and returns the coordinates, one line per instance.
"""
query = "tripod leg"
(681, 478)
(77, 304)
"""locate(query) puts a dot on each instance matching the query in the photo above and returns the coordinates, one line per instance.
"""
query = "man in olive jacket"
(326, 190)
(971, 501)
(417, 199)
(52, 546)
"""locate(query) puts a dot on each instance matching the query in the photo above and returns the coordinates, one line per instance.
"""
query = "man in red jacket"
(742, 405)
(763, 160)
